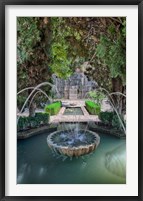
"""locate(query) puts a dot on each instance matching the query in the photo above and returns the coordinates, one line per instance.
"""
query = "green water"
(73, 111)
(36, 164)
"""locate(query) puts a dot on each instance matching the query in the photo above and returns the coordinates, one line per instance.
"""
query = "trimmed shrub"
(25, 123)
(106, 117)
(93, 108)
(53, 108)
(111, 119)
(116, 123)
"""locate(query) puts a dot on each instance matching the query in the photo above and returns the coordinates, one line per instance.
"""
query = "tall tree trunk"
(119, 100)
(32, 109)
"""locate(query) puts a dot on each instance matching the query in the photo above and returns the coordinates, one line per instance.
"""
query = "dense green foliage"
(46, 45)
(115, 122)
(92, 107)
(60, 62)
(28, 36)
(68, 42)
(53, 108)
(111, 50)
(25, 123)
(96, 45)
(106, 117)
(66, 46)
(96, 96)
(111, 119)
(32, 56)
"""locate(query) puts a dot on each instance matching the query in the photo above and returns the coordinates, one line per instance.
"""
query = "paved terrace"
(86, 117)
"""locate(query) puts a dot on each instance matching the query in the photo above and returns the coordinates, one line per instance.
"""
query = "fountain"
(73, 143)
(113, 106)
(70, 142)
(111, 101)
(37, 88)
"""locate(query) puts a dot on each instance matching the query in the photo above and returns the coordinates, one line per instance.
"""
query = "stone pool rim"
(72, 112)
(36, 131)
(96, 127)
(74, 150)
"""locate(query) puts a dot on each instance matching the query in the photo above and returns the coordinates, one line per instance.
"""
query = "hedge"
(106, 117)
(53, 108)
(25, 123)
(111, 119)
(92, 108)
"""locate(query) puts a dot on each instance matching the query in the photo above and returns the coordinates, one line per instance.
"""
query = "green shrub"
(22, 123)
(53, 108)
(93, 108)
(106, 117)
(116, 123)
(111, 119)
(32, 122)
(97, 96)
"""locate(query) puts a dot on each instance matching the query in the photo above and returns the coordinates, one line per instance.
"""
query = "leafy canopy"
(111, 50)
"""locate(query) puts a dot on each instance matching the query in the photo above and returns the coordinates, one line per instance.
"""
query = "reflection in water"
(115, 161)
(20, 176)
(41, 171)
(36, 164)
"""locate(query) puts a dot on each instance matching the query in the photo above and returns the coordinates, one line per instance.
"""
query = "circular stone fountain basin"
(73, 143)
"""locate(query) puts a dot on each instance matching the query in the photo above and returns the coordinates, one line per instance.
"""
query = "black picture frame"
(3, 3)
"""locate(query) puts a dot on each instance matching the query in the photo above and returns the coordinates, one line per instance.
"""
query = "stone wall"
(75, 87)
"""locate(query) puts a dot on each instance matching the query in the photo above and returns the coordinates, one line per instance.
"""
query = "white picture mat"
(131, 186)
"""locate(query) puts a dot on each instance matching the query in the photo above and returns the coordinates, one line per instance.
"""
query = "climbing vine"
(111, 51)
(60, 63)
(28, 35)
(66, 47)
(32, 57)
